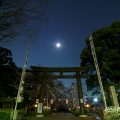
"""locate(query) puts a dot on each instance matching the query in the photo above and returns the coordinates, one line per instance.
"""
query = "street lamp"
(95, 99)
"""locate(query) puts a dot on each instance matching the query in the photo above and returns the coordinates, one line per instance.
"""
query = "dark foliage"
(107, 47)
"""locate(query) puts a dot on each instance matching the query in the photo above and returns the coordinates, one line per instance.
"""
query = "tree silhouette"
(107, 47)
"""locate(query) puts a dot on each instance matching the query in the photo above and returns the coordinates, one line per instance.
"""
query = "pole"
(19, 98)
(97, 69)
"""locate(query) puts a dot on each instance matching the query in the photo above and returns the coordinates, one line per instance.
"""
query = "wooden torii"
(61, 71)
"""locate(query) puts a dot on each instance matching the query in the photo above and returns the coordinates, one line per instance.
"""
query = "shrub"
(112, 115)
(5, 115)
(75, 112)
(46, 112)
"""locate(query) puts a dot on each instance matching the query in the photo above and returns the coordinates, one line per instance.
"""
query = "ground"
(56, 116)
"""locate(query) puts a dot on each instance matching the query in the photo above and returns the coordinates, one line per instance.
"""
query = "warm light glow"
(66, 101)
(36, 105)
(46, 107)
(87, 105)
(51, 101)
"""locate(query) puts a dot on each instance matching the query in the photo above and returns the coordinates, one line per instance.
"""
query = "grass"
(5, 115)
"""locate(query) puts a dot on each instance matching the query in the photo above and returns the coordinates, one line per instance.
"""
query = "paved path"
(56, 116)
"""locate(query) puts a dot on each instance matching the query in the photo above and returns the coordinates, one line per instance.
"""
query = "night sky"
(69, 22)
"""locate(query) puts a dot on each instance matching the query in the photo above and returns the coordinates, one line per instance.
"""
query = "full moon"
(58, 45)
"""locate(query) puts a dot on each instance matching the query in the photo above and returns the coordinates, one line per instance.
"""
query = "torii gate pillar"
(41, 99)
(80, 93)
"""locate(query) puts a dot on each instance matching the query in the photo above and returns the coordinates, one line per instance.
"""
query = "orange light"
(87, 105)
(36, 105)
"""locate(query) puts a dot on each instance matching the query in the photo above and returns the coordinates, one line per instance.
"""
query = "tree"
(107, 46)
(15, 14)
(8, 74)
(5, 56)
(54, 88)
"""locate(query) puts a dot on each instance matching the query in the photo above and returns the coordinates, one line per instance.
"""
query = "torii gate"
(61, 71)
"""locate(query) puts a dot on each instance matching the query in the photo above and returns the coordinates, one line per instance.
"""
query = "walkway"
(56, 116)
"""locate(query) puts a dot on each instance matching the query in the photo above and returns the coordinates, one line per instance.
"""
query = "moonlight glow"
(58, 45)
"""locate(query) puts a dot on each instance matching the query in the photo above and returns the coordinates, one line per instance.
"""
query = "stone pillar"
(80, 94)
(114, 97)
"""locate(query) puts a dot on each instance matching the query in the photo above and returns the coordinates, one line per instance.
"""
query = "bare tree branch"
(14, 14)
